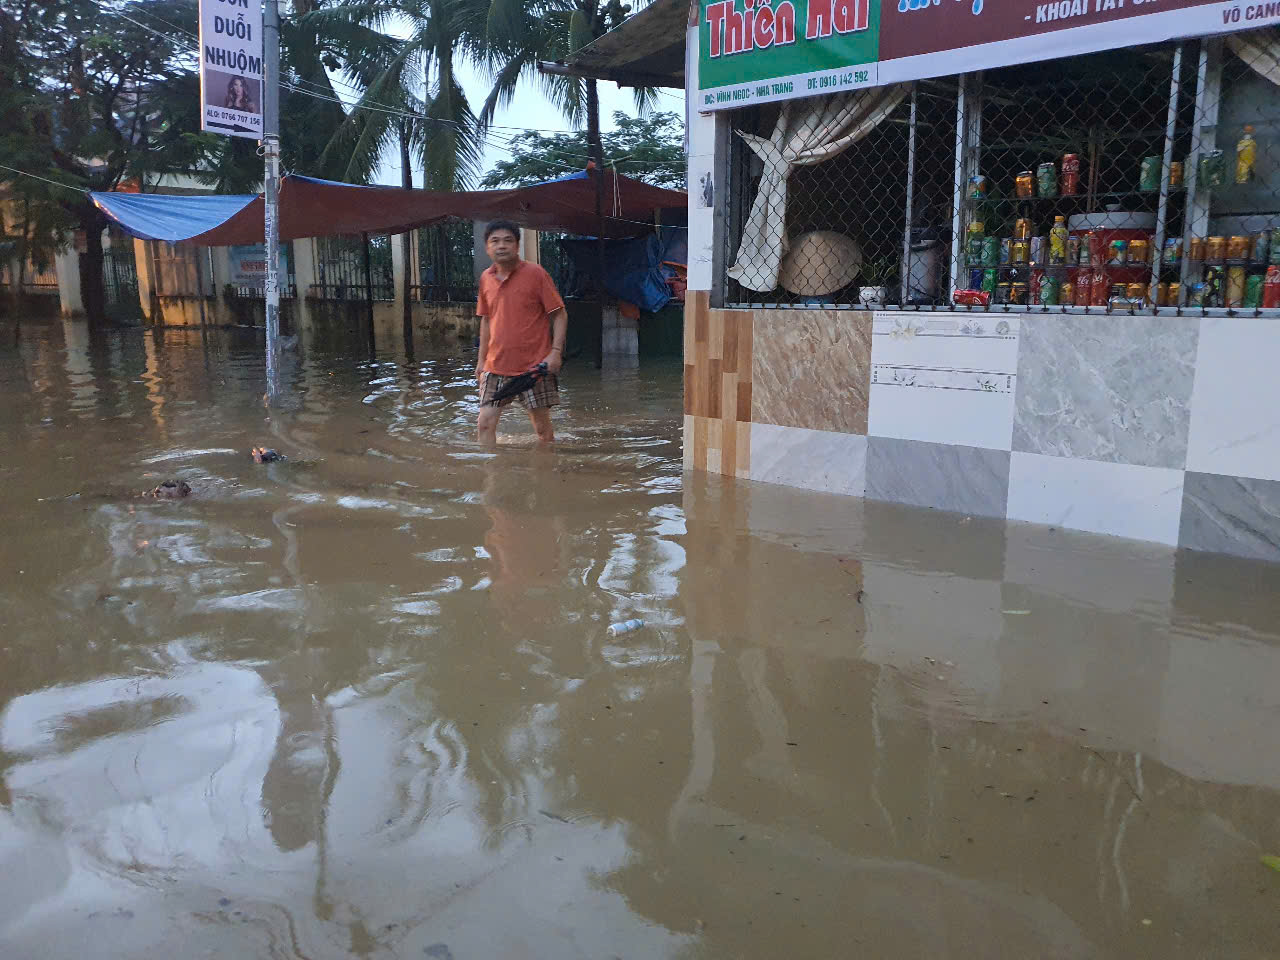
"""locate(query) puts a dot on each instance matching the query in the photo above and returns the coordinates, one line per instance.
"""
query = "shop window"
(850, 188)
(1127, 181)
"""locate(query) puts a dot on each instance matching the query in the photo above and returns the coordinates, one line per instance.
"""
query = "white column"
(67, 266)
(146, 275)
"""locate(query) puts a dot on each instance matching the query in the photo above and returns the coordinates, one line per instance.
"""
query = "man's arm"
(559, 328)
(484, 347)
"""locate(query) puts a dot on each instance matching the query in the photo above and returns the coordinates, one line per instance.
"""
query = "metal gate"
(120, 279)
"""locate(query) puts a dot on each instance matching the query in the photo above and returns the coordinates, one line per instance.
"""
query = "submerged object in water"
(264, 455)
(626, 626)
(169, 490)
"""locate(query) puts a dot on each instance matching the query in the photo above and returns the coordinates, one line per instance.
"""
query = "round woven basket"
(819, 263)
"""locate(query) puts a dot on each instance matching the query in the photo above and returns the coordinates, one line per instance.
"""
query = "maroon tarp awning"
(318, 208)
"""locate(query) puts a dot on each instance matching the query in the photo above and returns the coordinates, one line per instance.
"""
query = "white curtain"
(807, 132)
(1260, 49)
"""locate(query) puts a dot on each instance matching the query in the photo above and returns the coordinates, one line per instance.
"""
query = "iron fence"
(120, 281)
(39, 277)
(569, 280)
(341, 274)
(1131, 180)
(446, 263)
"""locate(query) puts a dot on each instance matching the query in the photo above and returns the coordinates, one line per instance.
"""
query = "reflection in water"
(362, 703)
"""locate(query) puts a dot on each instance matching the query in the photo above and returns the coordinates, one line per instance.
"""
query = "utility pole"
(271, 186)
(596, 150)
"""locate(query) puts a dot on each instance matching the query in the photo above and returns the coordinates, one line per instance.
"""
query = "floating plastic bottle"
(626, 626)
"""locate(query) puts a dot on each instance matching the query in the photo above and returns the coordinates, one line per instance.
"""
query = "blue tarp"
(633, 268)
(154, 216)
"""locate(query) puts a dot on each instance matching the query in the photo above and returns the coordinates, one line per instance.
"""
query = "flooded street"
(362, 702)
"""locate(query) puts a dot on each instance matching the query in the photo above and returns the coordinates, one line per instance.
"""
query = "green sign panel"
(755, 51)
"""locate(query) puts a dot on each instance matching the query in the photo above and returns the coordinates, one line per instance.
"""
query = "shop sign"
(756, 51)
(231, 67)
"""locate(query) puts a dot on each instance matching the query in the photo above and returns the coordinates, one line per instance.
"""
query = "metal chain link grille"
(1120, 181)
(340, 269)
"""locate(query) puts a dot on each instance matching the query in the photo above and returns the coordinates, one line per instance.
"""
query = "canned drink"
(1215, 250)
(1097, 249)
(1175, 292)
(1067, 292)
(1213, 169)
(1136, 291)
(1083, 288)
(1239, 248)
(1214, 280)
(1049, 293)
(1117, 253)
(1024, 184)
(1047, 180)
(1274, 256)
(1139, 251)
(1253, 290)
(1098, 288)
(1271, 288)
(1161, 297)
(1261, 247)
(1073, 250)
(1004, 250)
(1070, 174)
(978, 187)
(1037, 249)
(1235, 287)
(1172, 251)
(1018, 294)
(1119, 291)
(991, 251)
(1197, 250)
(990, 279)
(975, 278)
(1020, 251)
(1002, 293)
(1175, 174)
(1149, 174)
(1196, 293)
(1022, 229)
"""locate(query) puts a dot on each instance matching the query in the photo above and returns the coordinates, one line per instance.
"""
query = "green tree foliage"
(646, 148)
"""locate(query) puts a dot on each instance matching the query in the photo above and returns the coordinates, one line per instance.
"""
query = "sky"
(530, 109)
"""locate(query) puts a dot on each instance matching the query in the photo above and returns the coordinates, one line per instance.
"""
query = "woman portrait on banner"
(238, 96)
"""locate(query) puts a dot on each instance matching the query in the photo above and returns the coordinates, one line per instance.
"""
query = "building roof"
(645, 50)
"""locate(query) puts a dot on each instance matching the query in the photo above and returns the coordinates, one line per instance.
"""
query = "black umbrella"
(520, 384)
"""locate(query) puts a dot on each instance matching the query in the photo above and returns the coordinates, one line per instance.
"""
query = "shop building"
(1017, 261)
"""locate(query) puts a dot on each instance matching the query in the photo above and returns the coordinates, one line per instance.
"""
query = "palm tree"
(518, 35)
(388, 69)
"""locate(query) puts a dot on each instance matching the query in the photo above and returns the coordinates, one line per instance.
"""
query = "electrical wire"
(33, 176)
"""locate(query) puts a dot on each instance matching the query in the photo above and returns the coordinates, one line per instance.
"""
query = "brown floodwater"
(363, 703)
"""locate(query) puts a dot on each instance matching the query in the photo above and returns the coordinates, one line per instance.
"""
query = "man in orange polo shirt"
(522, 324)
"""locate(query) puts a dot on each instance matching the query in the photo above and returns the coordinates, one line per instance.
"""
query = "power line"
(33, 176)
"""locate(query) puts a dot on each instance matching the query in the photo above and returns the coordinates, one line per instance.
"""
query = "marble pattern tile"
(1236, 515)
(1114, 389)
(944, 378)
(811, 459)
(1235, 405)
(811, 369)
(1118, 499)
(967, 480)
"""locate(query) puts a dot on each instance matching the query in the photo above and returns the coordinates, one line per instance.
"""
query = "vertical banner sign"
(231, 67)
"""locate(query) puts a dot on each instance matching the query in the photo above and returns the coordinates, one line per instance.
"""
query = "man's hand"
(554, 361)
(479, 374)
